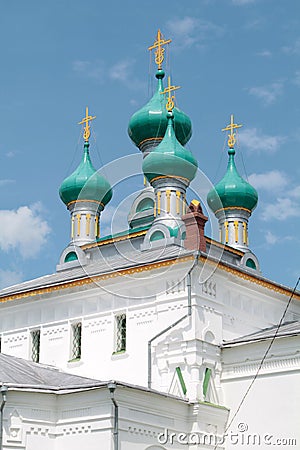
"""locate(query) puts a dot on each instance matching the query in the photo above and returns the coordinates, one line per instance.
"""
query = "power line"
(263, 359)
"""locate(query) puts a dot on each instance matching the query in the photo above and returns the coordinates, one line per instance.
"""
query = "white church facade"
(158, 337)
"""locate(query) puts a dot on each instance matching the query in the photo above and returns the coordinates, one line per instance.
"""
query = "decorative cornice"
(152, 266)
(271, 365)
(94, 279)
(114, 239)
(224, 246)
(261, 282)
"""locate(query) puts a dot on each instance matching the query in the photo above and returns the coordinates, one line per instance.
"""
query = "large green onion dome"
(85, 183)
(170, 158)
(232, 191)
(147, 126)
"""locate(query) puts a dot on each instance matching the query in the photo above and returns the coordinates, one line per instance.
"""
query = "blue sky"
(229, 56)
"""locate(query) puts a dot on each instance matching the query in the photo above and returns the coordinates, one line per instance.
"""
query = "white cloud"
(9, 278)
(264, 54)
(273, 180)
(295, 192)
(257, 23)
(90, 69)
(293, 49)
(10, 154)
(188, 31)
(271, 239)
(267, 94)
(256, 141)
(297, 78)
(183, 27)
(283, 208)
(5, 182)
(121, 71)
(23, 230)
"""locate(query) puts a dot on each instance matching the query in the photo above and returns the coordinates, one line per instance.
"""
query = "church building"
(159, 336)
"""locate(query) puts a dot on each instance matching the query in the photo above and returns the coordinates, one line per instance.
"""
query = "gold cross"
(158, 45)
(87, 128)
(232, 126)
(170, 103)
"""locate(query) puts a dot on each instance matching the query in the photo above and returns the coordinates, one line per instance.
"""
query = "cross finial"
(231, 136)
(158, 45)
(170, 103)
(87, 128)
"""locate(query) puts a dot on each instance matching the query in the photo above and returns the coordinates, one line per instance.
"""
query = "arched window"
(250, 263)
(156, 236)
(146, 203)
(72, 256)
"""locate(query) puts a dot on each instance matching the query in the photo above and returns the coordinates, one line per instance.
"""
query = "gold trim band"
(88, 201)
(233, 207)
(170, 176)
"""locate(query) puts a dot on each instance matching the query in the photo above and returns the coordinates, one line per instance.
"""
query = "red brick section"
(195, 222)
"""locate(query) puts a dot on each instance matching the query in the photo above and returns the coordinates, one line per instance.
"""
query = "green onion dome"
(148, 125)
(170, 158)
(232, 191)
(85, 183)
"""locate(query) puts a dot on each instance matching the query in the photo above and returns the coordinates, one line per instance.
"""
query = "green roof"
(151, 121)
(128, 233)
(170, 158)
(85, 183)
(232, 191)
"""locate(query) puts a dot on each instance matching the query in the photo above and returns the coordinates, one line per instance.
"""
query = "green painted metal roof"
(170, 158)
(85, 183)
(128, 233)
(232, 190)
(151, 121)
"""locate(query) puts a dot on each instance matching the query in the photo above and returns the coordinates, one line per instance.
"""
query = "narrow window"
(35, 345)
(206, 382)
(76, 341)
(120, 333)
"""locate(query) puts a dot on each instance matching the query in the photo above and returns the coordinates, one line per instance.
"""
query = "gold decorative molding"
(86, 122)
(168, 195)
(151, 139)
(178, 195)
(231, 136)
(170, 176)
(151, 266)
(88, 201)
(240, 208)
(158, 202)
(114, 239)
(158, 46)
